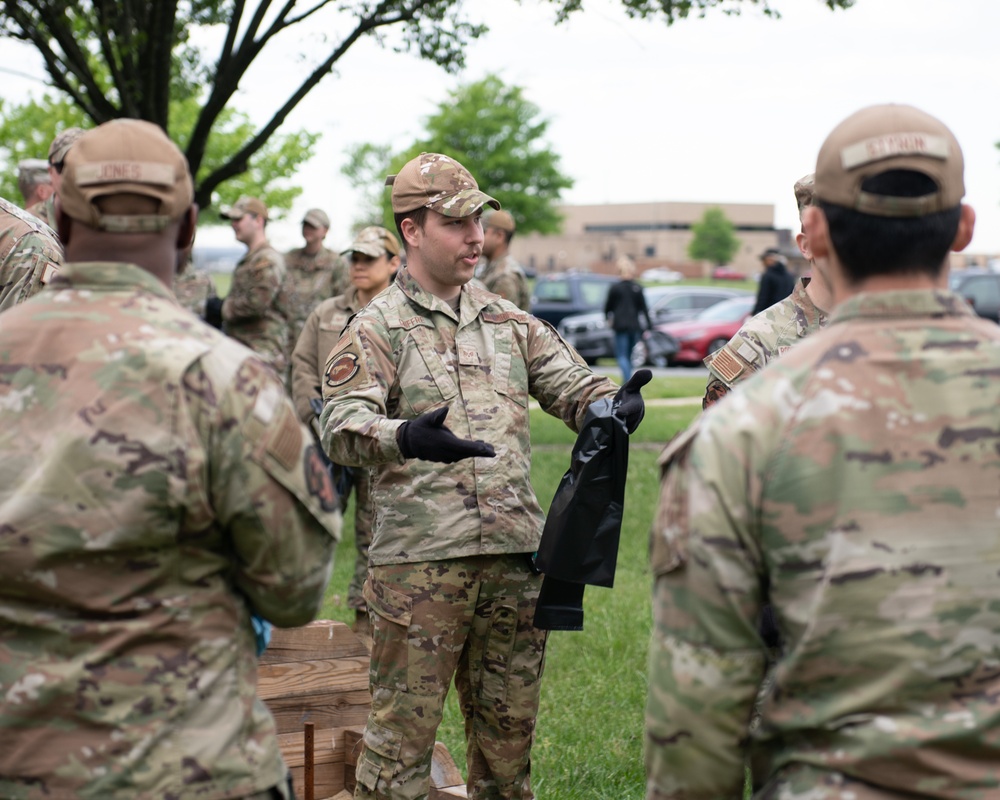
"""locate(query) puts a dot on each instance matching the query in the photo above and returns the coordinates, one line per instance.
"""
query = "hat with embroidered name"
(437, 182)
(373, 241)
(881, 138)
(245, 205)
(125, 156)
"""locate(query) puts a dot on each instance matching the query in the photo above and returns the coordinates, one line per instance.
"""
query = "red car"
(727, 274)
(690, 341)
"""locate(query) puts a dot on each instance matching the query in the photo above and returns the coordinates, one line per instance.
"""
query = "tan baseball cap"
(373, 241)
(500, 219)
(889, 137)
(245, 205)
(437, 182)
(61, 143)
(125, 156)
(317, 218)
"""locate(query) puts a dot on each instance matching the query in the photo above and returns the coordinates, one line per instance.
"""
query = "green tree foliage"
(714, 238)
(134, 58)
(499, 136)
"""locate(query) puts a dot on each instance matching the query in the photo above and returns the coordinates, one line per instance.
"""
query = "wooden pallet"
(314, 679)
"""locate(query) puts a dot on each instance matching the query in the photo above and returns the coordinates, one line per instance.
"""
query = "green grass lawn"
(590, 726)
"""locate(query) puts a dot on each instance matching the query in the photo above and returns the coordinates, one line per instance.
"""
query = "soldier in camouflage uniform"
(313, 272)
(853, 485)
(30, 256)
(59, 147)
(193, 287)
(33, 181)
(450, 588)
(771, 332)
(502, 274)
(374, 259)
(255, 312)
(155, 489)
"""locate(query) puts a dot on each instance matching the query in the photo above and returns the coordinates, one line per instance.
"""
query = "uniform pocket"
(510, 375)
(497, 654)
(379, 757)
(391, 613)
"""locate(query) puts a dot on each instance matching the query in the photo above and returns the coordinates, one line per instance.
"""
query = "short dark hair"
(869, 245)
(419, 217)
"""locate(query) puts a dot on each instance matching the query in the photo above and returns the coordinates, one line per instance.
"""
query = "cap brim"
(371, 250)
(464, 203)
(229, 213)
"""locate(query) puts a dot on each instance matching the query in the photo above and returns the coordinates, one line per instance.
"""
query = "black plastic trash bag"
(580, 540)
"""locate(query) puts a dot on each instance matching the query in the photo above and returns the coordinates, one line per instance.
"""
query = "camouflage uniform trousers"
(363, 519)
(470, 618)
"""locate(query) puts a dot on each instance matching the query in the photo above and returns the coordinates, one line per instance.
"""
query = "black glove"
(628, 404)
(213, 312)
(427, 437)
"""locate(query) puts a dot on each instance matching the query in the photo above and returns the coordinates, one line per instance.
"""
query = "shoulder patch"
(497, 317)
(319, 483)
(285, 442)
(727, 366)
(341, 368)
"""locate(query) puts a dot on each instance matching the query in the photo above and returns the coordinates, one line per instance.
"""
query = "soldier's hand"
(213, 312)
(427, 437)
(628, 404)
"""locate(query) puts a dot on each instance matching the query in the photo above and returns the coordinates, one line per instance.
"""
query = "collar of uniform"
(903, 303)
(265, 245)
(109, 275)
(812, 312)
(348, 301)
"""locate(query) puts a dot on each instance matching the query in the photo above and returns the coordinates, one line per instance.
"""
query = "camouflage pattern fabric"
(45, 211)
(505, 277)
(853, 486)
(320, 334)
(255, 311)
(310, 279)
(192, 288)
(155, 489)
(478, 613)
(406, 353)
(763, 337)
(30, 255)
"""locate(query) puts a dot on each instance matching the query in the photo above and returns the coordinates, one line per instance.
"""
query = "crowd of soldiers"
(176, 465)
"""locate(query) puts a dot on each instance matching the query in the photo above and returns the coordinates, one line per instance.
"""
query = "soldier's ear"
(185, 231)
(966, 224)
(816, 231)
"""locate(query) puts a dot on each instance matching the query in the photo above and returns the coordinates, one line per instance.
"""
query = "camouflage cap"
(317, 218)
(437, 182)
(33, 171)
(881, 138)
(245, 205)
(500, 219)
(125, 156)
(804, 191)
(373, 241)
(61, 144)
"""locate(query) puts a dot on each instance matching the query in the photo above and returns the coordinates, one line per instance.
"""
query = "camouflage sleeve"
(558, 378)
(706, 657)
(253, 290)
(269, 491)
(714, 392)
(307, 364)
(508, 287)
(31, 263)
(356, 427)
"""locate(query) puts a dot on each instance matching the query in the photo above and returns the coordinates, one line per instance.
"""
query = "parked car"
(690, 341)
(593, 339)
(661, 275)
(727, 274)
(981, 288)
(560, 294)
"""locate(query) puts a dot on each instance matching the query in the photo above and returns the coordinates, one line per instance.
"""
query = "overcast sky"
(728, 109)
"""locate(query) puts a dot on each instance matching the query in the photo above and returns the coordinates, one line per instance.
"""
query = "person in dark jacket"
(627, 314)
(776, 281)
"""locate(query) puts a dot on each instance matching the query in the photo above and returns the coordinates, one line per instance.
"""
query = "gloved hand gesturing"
(628, 404)
(427, 437)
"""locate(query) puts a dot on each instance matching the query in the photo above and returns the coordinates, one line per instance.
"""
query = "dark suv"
(561, 294)
(981, 288)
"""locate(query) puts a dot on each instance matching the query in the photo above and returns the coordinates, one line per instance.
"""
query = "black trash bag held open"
(579, 543)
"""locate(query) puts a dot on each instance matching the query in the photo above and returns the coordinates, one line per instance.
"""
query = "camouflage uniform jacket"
(155, 487)
(318, 338)
(30, 255)
(192, 288)
(45, 211)
(406, 353)
(853, 485)
(763, 337)
(505, 277)
(255, 310)
(310, 278)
